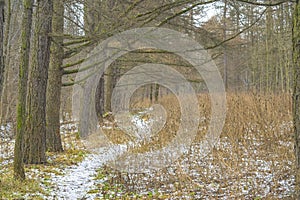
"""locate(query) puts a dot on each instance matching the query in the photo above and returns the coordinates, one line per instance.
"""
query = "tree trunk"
(99, 99)
(225, 64)
(35, 141)
(22, 90)
(1, 45)
(269, 54)
(296, 93)
(91, 17)
(156, 94)
(55, 79)
(108, 88)
(91, 22)
(6, 50)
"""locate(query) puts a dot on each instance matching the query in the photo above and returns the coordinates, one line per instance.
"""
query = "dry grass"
(254, 158)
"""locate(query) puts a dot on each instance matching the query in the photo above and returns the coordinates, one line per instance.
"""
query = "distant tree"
(92, 16)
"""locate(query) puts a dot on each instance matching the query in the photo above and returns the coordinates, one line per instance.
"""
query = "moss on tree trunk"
(55, 79)
(35, 133)
(22, 89)
(1, 45)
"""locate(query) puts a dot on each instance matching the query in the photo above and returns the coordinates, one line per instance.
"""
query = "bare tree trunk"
(108, 89)
(35, 141)
(225, 50)
(151, 93)
(296, 94)
(55, 79)
(91, 22)
(1, 45)
(6, 50)
(99, 99)
(156, 94)
(23, 77)
(269, 54)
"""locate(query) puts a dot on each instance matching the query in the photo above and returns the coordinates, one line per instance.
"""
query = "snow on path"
(78, 179)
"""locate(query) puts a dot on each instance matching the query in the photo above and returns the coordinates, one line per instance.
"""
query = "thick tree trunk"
(6, 49)
(296, 94)
(1, 45)
(55, 79)
(35, 142)
(22, 90)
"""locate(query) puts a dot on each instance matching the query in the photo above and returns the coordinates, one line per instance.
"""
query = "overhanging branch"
(265, 4)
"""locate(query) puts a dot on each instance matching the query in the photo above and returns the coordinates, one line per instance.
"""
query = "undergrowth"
(253, 159)
(38, 177)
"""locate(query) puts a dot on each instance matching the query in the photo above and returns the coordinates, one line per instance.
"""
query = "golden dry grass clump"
(253, 159)
(245, 113)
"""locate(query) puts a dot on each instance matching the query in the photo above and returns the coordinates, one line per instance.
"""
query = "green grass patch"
(15, 189)
(69, 157)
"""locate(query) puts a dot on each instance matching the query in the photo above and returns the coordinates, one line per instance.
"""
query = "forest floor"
(254, 159)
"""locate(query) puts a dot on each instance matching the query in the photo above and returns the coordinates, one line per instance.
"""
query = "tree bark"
(296, 93)
(4, 106)
(1, 45)
(108, 88)
(225, 61)
(22, 90)
(35, 141)
(6, 49)
(55, 79)
(99, 99)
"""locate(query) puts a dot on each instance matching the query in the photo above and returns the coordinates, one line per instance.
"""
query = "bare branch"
(265, 4)
(238, 33)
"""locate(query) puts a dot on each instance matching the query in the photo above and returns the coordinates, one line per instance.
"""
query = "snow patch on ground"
(79, 179)
(257, 177)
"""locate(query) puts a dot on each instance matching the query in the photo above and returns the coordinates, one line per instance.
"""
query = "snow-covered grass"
(254, 158)
(220, 175)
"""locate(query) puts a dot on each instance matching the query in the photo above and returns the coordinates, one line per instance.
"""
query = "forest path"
(79, 179)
